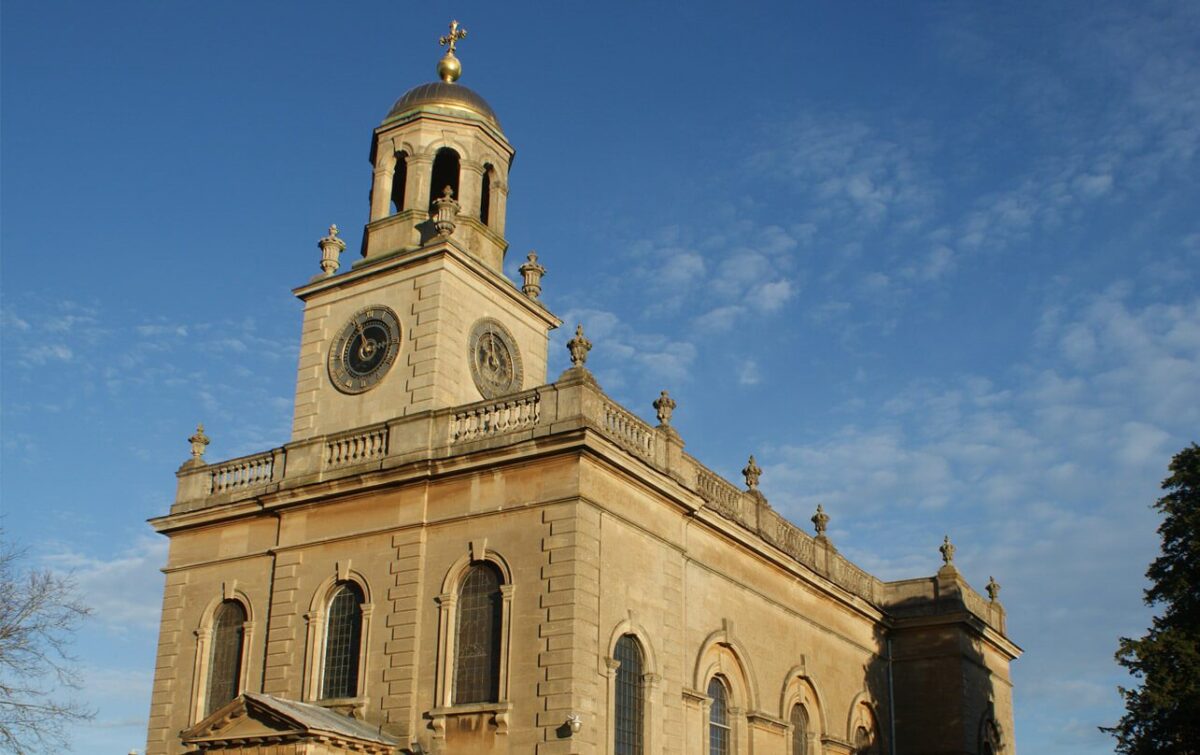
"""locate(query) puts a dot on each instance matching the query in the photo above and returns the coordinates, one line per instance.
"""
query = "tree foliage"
(1163, 714)
(39, 615)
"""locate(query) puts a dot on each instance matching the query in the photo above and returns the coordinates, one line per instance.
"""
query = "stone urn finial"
(993, 589)
(532, 272)
(331, 248)
(751, 472)
(947, 551)
(663, 406)
(445, 213)
(820, 521)
(579, 346)
(199, 442)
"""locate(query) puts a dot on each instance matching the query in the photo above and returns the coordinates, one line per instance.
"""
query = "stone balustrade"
(628, 431)
(569, 404)
(357, 447)
(239, 474)
(493, 418)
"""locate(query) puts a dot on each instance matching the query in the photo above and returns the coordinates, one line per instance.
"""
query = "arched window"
(225, 661)
(343, 641)
(445, 173)
(399, 182)
(719, 734)
(629, 703)
(477, 636)
(485, 195)
(799, 721)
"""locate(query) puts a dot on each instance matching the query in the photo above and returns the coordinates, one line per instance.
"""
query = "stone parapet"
(574, 404)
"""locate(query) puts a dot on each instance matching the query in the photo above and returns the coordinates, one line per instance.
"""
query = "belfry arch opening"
(485, 194)
(445, 173)
(399, 182)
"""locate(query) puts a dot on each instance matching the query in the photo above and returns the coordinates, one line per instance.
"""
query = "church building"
(458, 553)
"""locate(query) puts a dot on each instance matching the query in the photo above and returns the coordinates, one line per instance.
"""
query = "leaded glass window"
(477, 637)
(799, 723)
(225, 661)
(343, 641)
(629, 702)
(719, 735)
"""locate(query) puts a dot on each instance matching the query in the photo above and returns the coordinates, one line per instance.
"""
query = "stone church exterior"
(455, 554)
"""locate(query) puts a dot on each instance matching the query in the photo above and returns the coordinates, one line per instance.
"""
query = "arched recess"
(316, 620)
(721, 652)
(202, 667)
(800, 689)
(399, 182)
(863, 718)
(651, 681)
(488, 177)
(445, 172)
(448, 610)
(722, 655)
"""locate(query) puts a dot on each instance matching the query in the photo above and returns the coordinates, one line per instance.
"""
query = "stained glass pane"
(343, 639)
(225, 662)
(629, 702)
(477, 639)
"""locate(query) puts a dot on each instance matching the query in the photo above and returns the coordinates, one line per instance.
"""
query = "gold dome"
(444, 97)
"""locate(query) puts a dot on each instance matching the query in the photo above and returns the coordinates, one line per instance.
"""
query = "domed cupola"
(441, 170)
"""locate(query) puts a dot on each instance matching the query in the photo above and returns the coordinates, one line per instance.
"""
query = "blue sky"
(934, 264)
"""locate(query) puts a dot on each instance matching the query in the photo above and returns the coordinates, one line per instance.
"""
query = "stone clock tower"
(453, 555)
(428, 306)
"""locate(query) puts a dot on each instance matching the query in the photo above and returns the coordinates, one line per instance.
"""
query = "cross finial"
(451, 39)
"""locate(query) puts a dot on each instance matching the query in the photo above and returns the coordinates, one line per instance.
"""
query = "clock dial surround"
(364, 349)
(495, 359)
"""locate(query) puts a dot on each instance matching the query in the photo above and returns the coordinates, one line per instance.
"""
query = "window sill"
(498, 713)
(354, 707)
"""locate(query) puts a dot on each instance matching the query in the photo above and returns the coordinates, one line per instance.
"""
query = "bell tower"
(426, 319)
(437, 136)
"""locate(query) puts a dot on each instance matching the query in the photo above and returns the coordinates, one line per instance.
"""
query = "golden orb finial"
(449, 68)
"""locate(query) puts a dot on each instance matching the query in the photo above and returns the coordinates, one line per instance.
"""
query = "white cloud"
(124, 590)
(748, 373)
(770, 297)
(719, 319)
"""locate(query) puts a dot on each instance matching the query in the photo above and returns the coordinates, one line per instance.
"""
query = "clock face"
(364, 349)
(495, 360)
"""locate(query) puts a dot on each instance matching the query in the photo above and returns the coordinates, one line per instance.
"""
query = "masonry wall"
(594, 549)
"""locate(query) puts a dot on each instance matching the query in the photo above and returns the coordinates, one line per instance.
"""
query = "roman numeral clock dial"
(364, 349)
(495, 360)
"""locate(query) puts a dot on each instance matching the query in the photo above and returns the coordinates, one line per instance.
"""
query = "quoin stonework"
(457, 553)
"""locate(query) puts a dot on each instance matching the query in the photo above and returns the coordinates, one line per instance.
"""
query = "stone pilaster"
(404, 632)
(172, 639)
(285, 641)
(568, 634)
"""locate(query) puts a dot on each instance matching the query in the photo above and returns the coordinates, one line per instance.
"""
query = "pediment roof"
(253, 717)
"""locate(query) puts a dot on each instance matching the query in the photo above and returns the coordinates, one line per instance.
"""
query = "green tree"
(1163, 714)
